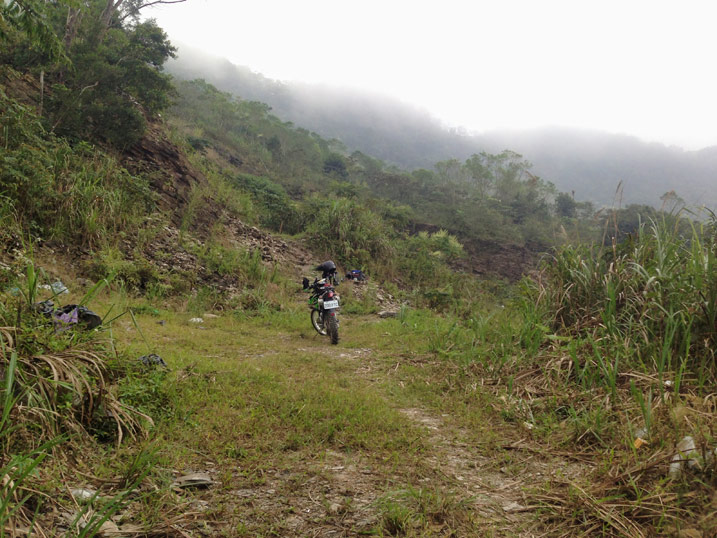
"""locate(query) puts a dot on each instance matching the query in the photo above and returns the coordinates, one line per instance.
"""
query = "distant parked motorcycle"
(324, 301)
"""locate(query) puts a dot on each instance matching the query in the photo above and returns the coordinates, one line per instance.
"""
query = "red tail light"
(330, 294)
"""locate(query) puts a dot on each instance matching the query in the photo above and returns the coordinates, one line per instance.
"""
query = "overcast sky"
(645, 68)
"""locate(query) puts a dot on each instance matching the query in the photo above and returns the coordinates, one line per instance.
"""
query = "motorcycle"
(324, 302)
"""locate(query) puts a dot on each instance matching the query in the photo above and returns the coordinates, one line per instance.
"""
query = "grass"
(425, 424)
(267, 396)
(64, 394)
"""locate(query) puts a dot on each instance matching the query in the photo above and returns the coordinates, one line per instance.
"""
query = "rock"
(334, 508)
(193, 480)
(109, 528)
(388, 314)
(686, 452)
(200, 505)
(83, 495)
(58, 288)
(512, 507)
(196, 320)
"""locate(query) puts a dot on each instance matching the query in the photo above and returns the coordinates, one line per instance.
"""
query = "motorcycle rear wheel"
(317, 320)
(333, 328)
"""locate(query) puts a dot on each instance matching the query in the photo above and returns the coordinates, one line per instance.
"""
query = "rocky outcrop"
(171, 174)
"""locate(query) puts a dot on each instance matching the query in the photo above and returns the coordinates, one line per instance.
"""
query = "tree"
(335, 165)
(450, 171)
(30, 17)
(106, 12)
(113, 84)
(565, 205)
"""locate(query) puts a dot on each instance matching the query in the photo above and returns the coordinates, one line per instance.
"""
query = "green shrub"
(279, 212)
(353, 234)
(75, 194)
(137, 273)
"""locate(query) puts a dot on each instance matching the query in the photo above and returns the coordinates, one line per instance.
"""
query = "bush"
(74, 194)
(279, 212)
(353, 234)
(651, 299)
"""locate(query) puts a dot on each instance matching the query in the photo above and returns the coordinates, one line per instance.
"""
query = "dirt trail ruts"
(336, 494)
(501, 496)
(495, 496)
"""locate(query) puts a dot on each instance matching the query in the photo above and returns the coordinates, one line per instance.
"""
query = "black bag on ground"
(85, 316)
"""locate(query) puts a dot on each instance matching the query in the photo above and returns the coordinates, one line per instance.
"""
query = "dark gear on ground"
(153, 360)
(68, 315)
(85, 316)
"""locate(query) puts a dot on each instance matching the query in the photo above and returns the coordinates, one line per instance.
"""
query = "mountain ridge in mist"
(588, 163)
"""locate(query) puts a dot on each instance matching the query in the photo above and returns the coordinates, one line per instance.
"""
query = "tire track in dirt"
(499, 496)
(494, 496)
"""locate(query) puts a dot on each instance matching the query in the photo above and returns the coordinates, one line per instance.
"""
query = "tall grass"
(647, 304)
(61, 393)
(17, 467)
(76, 194)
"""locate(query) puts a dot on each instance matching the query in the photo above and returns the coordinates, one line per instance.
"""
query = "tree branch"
(148, 4)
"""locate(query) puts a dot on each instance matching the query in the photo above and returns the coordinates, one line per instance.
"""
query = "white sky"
(639, 67)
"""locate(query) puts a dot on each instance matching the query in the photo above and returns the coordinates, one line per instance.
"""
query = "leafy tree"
(113, 84)
(450, 171)
(335, 165)
(565, 205)
(105, 14)
(31, 18)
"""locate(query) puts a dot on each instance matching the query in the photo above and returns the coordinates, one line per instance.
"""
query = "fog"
(640, 67)
(587, 161)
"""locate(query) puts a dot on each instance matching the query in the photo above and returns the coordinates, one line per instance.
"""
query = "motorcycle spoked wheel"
(318, 322)
(332, 326)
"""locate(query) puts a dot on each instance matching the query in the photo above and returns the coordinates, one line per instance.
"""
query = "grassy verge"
(511, 420)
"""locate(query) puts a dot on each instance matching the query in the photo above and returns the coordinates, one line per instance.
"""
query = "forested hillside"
(590, 164)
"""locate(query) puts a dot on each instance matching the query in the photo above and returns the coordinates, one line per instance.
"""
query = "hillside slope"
(589, 163)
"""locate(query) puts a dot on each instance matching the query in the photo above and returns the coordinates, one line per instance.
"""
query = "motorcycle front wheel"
(317, 320)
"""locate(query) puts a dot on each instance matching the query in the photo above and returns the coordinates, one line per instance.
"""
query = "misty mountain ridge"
(588, 163)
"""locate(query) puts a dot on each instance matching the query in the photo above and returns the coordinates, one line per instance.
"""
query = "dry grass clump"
(69, 392)
(56, 405)
(623, 434)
